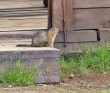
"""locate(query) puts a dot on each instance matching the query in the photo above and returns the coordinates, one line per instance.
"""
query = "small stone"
(71, 76)
(88, 86)
(104, 73)
(41, 85)
(10, 86)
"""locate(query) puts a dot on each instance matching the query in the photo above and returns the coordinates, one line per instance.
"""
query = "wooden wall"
(88, 21)
(91, 14)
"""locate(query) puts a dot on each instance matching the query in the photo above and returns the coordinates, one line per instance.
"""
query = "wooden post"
(68, 14)
(57, 20)
(62, 9)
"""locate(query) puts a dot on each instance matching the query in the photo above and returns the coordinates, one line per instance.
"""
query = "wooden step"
(19, 20)
(76, 40)
(15, 14)
(20, 33)
(47, 57)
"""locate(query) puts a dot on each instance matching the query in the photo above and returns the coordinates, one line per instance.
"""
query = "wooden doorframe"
(58, 10)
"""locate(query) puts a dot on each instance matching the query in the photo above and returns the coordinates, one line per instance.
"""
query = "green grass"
(92, 59)
(104, 91)
(18, 75)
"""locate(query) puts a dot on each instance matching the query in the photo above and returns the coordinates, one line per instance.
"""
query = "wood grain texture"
(63, 9)
(48, 66)
(68, 14)
(78, 36)
(74, 47)
(20, 33)
(30, 54)
(91, 3)
(91, 18)
(57, 20)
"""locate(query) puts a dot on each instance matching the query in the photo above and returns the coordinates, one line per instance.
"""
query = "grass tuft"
(18, 75)
(92, 59)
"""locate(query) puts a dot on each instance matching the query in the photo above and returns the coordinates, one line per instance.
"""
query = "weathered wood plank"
(74, 36)
(60, 11)
(49, 72)
(37, 53)
(74, 47)
(48, 68)
(78, 36)
(104, 34)
(91, 18)
(23, 14)
(68, 14)
(7, 4)
(91, 3)
(26, 59)
(23, 30)
(20, 33)
(57, 20)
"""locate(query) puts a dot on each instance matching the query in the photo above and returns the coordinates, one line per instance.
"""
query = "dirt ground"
(90, 83)
(31, 14)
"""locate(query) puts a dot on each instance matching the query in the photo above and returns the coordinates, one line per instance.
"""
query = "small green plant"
(92, 59)
(96, 59)
(67, 66)
(18, 75)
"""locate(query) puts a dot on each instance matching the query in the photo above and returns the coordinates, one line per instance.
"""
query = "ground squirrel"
(43, 39)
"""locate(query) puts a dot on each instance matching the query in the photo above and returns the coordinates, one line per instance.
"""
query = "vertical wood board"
(63, 9)
(57, 13)
(68, 14)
